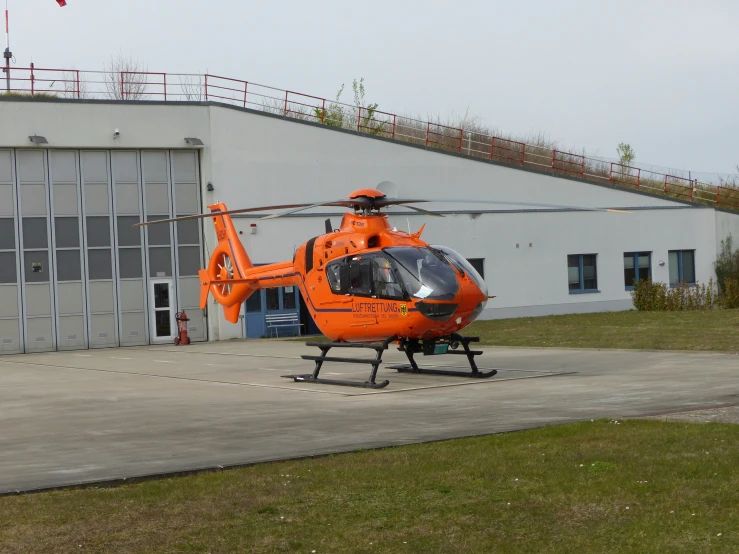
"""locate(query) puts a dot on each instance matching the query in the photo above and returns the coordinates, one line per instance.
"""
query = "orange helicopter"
(365, 284)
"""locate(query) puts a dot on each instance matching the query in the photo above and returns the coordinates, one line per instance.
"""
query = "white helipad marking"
(117, 358)
(83, 355)
(268, 369)
(163, 361)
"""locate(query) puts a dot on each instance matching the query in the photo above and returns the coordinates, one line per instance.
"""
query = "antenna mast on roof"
(7, 54)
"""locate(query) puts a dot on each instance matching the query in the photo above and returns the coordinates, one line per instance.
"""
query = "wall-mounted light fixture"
(210, 187)
(253, 228)
(192, 141)
(661, 262)
(38, 139)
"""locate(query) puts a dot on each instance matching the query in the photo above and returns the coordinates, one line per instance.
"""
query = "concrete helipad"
(102, 415)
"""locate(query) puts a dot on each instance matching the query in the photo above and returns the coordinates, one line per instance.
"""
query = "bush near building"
(658, 297)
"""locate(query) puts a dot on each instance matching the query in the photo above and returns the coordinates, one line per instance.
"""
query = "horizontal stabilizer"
(204, 288)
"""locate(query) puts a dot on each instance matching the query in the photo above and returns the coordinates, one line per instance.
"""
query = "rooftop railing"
(166, 87)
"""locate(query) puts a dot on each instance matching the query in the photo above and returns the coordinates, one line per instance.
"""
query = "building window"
(288, 298)
(682, 267)
(479, 265)
(637, 267)
(581, 273)
(254, 302)
(273, 299)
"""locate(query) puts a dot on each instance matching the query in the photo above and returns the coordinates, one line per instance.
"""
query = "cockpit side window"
(360, 276)
(333, 274)
(367, 275)
(384, 279)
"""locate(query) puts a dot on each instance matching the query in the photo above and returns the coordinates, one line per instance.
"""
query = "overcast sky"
(661, 75)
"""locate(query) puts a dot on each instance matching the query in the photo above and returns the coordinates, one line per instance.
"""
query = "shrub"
(657, 297)
(361, 116)
(649, 296)
(730, 294)
(333, 115)
(727, 263)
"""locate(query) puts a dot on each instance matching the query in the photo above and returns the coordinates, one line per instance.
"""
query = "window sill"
(673, 285)
(588, 291)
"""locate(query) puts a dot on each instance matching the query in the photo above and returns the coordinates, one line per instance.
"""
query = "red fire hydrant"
(182, 320)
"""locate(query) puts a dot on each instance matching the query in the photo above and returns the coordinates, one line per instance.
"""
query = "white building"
(75, 274)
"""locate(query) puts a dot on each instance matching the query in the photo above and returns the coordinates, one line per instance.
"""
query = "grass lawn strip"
(716, 330)
(631, 486)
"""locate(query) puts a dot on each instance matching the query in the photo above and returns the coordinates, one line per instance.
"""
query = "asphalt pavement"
(70, 418)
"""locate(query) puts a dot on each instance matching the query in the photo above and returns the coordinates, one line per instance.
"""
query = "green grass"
(631, 486)
(716, 330)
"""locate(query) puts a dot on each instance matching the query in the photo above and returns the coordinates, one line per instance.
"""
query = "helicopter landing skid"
(413, 346)
(371, 383)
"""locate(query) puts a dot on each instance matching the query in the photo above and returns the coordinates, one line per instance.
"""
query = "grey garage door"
(74, 273)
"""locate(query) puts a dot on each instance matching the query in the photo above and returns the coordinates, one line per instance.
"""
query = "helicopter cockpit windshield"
(424, 272)
(463, 265)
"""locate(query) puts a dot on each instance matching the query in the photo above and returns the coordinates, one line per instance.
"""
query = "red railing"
(507, 150)
(679, 187)
(134, 85)
(568, 163)
(375, 122)
(311, 108)
(444, 137)
(625, 175)
(145, 85)
(34, 80)
(727, 197)
(225, 88)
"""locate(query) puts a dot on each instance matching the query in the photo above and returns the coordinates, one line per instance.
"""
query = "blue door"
(280, 300)
(254, 320)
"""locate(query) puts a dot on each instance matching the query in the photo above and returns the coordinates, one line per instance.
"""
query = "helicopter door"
(360, 276)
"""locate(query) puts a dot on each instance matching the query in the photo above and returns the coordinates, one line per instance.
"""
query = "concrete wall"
(252, 159)
(727, 224)
(275, 157)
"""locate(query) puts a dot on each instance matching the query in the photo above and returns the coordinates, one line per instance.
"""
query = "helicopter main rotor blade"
(374, 204)
(435, 214)
(384, 202)
(229, 212)
(346, 203)
(528, 204)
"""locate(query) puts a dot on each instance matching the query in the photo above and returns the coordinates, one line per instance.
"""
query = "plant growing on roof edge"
(365, 122)
(335, 114)
(625, 153)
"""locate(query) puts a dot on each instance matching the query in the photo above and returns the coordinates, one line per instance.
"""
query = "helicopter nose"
(473, 302)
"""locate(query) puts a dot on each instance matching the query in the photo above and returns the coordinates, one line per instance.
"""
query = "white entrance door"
(161, 302)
